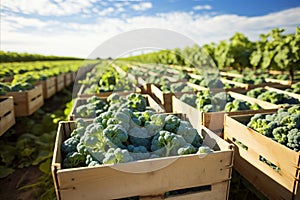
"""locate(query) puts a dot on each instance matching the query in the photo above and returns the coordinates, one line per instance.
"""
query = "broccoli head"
(74, 159)
(171, 123)
(294, 139)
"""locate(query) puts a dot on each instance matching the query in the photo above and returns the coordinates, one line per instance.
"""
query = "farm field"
(226, 115)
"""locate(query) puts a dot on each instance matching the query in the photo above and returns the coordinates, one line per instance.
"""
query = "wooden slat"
(60, 82)
(68, 78)
(260, 180)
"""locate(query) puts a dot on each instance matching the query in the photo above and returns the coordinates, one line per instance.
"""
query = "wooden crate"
(74, 74)
(60, 82)
(49, 87)
(274, 185)
(150, 102)
(215, 120)
(147, 179)
(68, 79)
(7, 113)
(27, 102)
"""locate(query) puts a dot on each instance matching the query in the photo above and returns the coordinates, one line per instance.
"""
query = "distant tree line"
(18, 57)
(274, 51)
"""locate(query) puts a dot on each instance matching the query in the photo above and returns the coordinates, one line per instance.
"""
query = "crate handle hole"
(270, 164)
(239, 143)
(185, 191)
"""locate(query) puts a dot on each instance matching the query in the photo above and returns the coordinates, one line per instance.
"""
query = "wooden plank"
(49, 87)
(68, 78)
(60, 82)
(260, 180)
(281, 82)
(192, 114)
(259, 145)
(144, 177)
(139, 179)
(164, 98)
(216, 193)
(7, 114)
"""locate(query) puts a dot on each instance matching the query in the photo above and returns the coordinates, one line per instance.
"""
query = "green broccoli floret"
(169, 141)
(70, 145)
(256, 92)
(294, 109)
(236, 105)
(117, 155)
(116, 134)
(189, 99)
(171, 123)
(180, 87)
(294, 139)
(138, 136)
(202, 100)
(280, 134)
(136, 102)
(189, 134)
(205, 149)
(291, 121)
(208, 108)
(262, 125)
(186, 149)
(139, 152)
(74, 159)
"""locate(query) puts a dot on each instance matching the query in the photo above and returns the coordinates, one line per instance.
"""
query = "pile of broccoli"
(282, 126)
(126, 135)
(271, 96)
(208, 82)
(250, 80)
(222, 101)
(295, 88)
(17, 87)
(95, 106)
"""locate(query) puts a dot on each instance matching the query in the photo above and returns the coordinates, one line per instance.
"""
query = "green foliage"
(17, 57)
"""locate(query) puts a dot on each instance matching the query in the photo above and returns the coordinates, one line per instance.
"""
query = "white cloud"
(106, 11)
(48, 37)
(142, 6)
(47, 7)
(202, 7)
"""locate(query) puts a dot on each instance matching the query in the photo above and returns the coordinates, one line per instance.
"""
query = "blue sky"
(77, 27)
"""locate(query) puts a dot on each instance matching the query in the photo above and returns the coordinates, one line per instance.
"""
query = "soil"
(11, 186)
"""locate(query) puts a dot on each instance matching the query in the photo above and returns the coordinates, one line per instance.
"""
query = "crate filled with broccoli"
(140, 148)
(268, 144)
(211, 106)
